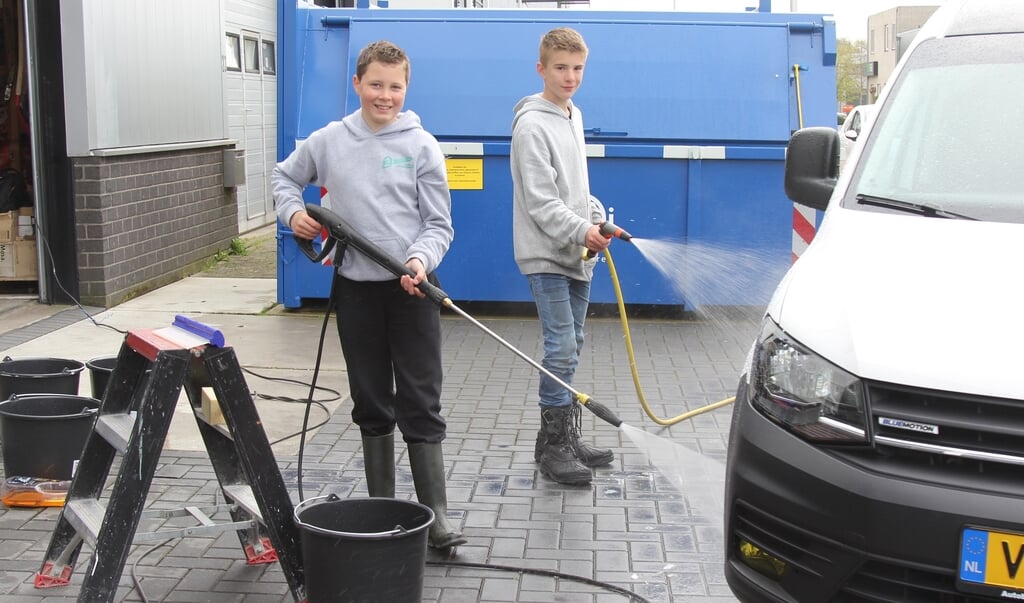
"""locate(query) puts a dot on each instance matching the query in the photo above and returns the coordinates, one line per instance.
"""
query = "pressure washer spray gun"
(343, 234)
(609, 230)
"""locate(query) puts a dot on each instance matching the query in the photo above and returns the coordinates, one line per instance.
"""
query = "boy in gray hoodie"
(386, 177)
(555, 218)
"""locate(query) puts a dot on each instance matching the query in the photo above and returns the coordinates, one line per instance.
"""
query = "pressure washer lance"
(342, 233)
(609, 230)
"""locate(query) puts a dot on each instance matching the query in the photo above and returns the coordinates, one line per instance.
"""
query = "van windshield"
(951, 134)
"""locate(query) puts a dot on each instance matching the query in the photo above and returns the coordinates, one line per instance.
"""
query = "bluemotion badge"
(909, 425)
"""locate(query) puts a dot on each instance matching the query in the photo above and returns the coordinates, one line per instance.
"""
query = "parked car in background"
(850, 130)
(876, 451)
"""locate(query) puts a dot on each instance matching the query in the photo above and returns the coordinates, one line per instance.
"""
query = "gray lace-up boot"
(587, 454)
(556, 458)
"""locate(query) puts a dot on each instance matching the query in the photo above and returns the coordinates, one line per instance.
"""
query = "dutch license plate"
(992, 563)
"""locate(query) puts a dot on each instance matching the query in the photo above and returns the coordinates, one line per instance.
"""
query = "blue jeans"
(562, 307)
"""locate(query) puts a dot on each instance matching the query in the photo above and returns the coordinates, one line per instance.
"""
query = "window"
(232, 53)
(926, 148)
(269, 58)
(885, 38)
(252, 55)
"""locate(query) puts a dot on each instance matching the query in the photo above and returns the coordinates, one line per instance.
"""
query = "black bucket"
(363, 549)
(39, 376)
(44, 434)
(100, 370)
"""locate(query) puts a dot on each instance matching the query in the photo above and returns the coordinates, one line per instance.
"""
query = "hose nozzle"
(610, 230)
(602, 411)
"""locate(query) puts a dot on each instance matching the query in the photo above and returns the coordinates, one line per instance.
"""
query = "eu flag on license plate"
(972, 555)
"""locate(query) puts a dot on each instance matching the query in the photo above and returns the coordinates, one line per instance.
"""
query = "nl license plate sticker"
(992, 563)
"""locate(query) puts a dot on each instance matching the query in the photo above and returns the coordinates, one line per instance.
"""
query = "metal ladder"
(133, 421)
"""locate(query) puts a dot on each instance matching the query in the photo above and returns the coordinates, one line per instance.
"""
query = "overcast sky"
(851, 15)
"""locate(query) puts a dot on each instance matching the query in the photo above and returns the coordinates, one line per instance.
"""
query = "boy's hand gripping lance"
(342, 233)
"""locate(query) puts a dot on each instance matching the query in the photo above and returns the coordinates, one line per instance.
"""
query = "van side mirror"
(812, 166)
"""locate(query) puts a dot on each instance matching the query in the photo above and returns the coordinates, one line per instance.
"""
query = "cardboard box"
(17, 225)
(18, 260)
(8, 226)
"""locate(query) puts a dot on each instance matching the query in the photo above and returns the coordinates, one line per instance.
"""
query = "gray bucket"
(363, 549)
(44, 434)
(39, 376)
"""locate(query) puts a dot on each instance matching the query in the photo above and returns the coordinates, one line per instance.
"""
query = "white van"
(877, 445)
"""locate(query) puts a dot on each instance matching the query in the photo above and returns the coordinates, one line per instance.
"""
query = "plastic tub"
(44, 434)
(100, 370)
(39, 376)
(363, 549)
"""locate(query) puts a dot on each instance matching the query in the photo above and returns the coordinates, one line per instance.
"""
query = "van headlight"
(803, 392)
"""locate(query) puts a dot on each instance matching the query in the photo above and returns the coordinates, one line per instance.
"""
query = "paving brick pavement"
(631, 528)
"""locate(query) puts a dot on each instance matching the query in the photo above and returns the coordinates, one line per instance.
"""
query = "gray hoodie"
(391, 186)
(552, 204)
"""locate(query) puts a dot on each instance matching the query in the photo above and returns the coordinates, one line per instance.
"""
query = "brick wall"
(147, 220)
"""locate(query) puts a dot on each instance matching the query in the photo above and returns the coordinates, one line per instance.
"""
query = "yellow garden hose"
(632, 360)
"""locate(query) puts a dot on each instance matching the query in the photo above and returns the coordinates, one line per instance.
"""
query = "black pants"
(392, 346)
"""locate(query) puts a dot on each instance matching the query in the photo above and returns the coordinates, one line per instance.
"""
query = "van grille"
(814, 562)
(877, 582)
(978, 439)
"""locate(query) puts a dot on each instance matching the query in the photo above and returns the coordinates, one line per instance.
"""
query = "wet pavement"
(649, 524)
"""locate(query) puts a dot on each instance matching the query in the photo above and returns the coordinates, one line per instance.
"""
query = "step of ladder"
(116, 428)
(86, 515)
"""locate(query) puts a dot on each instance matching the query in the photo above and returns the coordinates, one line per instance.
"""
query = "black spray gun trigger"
(306, 246)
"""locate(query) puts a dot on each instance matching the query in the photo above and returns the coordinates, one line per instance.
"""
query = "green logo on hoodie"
(399, 162)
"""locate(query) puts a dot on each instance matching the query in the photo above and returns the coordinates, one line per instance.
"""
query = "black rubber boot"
(379, 465)
(557, 459)
(585, 453)
(427, 465)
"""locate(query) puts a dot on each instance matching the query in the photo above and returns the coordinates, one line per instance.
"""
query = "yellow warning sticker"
(465, 174)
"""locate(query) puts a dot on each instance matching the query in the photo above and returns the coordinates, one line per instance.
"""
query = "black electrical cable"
(288, 399)
(313, 386)
(135, 578)
(543, 572)
(53, 270)
(337, 394)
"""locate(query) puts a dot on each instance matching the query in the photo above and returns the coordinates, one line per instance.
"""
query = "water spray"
(342, 233)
